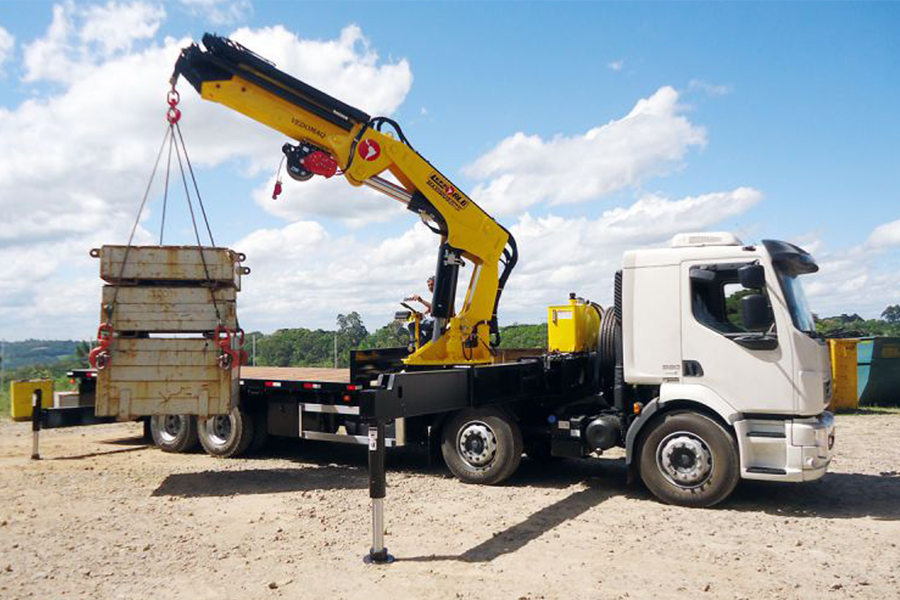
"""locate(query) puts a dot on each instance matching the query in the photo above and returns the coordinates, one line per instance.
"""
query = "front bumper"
(792, 449)
(812, 446)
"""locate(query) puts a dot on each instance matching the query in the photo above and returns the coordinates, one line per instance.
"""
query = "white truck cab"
(724, 330)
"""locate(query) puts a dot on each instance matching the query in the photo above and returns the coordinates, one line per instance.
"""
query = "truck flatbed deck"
(311, 374)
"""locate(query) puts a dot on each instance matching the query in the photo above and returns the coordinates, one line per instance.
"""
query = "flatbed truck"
(698, 397)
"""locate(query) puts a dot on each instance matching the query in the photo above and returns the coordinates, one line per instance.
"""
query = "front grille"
(828, 389)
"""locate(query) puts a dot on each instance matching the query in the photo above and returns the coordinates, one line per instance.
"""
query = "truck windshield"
(796, 302)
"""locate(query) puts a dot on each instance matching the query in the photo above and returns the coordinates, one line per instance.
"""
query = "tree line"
(845, 325)
(302, 347)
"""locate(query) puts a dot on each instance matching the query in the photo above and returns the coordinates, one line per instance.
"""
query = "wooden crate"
(164, 309)
(165, 376)
(169, 263)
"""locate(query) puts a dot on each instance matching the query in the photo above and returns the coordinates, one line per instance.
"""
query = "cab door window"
(716, 295)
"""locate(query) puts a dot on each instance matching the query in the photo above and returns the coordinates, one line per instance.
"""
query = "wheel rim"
(476, 444)
(218, 429)
(684, 459)
(171, 427)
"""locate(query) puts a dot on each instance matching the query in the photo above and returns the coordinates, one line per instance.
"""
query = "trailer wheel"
(689, 459)
(174, 433)
(482, 445)
(228, 435)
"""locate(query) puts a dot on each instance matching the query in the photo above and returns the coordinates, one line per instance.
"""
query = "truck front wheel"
(227, 435)
(482, 445)
(174, 433)
(689, 459)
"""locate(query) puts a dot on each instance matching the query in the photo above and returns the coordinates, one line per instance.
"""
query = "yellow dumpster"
(843, 374)
(20, 397)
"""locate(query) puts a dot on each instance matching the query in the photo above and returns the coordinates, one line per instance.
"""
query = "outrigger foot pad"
(378, 558)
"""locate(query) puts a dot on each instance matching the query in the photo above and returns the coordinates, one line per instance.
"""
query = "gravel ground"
(104, 516)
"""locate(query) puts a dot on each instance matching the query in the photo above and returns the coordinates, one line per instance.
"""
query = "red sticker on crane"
(369, 150)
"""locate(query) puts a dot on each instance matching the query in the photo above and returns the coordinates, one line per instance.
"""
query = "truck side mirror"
(755, 312)
(752, 276)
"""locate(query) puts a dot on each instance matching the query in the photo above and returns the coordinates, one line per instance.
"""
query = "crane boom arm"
(332, 135)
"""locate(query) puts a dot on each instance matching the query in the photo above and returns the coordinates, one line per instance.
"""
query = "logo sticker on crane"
(369, 150)
(447, 192)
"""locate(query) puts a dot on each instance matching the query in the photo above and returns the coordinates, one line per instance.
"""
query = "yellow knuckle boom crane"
(336, 138)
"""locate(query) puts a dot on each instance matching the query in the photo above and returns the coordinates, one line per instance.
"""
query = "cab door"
(715, 341)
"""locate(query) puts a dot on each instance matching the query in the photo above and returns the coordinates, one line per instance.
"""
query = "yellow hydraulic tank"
(573, 327)
(844, 394)
(20, 397)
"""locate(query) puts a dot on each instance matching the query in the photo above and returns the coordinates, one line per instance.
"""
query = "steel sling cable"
(196, 187)
(187, 197)
(162, 224)
(109, 308)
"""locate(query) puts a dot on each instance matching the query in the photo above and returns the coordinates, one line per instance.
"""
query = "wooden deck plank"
(296, 374)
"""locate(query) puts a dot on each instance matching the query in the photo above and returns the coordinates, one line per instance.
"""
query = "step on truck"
(706, 369)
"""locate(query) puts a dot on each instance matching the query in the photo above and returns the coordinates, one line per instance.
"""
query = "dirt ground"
(104, 516)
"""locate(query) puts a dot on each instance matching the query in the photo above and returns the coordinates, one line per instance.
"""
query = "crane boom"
(333, 135)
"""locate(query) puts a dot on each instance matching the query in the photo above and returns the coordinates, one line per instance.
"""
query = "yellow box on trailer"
(20, 393)
(844, 394)
(573, 327)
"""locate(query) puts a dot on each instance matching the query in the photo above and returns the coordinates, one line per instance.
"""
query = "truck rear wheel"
(228, 435)
(174, 433)
(482, 445)
(689, 459)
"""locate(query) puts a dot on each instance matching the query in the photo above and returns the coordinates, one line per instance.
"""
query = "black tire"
(174, 433)
(688, 459)
(226, 436)
(492, 448)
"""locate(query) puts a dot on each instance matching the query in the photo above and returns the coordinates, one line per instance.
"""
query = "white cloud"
(84, 150)
(887, 234)
(7, 43)
(327, 198)
(524, 170)
(81, 37)
(347, 68)
(852, 280)
(115, 27)
(559, 255)
(303, 275)
(710, 89)
(861, 279)
(615, 65)
(220, 12)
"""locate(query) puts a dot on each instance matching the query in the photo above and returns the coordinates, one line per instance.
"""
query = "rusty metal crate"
(170, 264)
(165, 376)
(166, 309)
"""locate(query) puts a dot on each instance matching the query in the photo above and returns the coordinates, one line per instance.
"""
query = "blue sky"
(795, 101)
